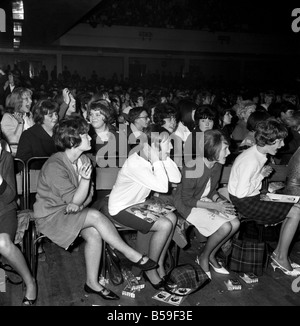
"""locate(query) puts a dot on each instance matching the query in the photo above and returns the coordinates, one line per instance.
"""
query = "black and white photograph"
(124, 121)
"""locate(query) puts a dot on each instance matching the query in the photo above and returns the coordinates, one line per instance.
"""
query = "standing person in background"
(8, 227)
(61, 211)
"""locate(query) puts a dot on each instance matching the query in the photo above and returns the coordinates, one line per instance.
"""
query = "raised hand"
(85, 171)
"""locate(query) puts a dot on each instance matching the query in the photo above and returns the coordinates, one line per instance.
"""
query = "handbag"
(247, 256)
(113, 266)
(190, 276)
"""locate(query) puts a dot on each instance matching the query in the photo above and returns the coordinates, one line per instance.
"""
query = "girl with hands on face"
(146, 170)
(199, 202)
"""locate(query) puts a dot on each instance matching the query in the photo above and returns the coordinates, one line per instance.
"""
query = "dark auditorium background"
(211, 41)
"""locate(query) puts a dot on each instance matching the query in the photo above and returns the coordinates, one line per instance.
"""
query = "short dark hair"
(66, 133)
(135, 112)
(213, 140)
(42, 108)
(268, 131)
(256, 117)
(163, 111)
(205, 112)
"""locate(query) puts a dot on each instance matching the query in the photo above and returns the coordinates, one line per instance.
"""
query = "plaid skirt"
(268, 212)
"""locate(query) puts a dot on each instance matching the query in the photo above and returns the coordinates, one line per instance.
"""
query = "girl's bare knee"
(5, 241)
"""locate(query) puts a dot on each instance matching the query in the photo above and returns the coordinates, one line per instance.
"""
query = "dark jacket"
(190, 190)
(35, 141)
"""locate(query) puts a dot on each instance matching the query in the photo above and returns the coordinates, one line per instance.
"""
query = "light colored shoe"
(208, 274)
(275, 264)
(293, 264)
(220, 270)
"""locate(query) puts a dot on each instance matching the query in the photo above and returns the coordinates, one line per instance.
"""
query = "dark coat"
(35, 141)
(190, 190)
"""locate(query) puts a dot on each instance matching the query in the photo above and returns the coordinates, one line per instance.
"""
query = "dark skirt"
(125, 218)
(9, 223)
(268, 212)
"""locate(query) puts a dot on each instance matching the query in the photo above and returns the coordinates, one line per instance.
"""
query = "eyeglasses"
(146, 117)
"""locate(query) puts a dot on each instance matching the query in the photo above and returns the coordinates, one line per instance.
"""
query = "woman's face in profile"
(224, 152)
(85, 142)
(170, 123)
(227, 118)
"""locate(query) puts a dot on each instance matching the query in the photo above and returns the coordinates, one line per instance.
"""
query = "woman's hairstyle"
(213, 140)
(42, 108)
(244, 107)
(13, 102)
(205, 112)
(102, 108)
(66, 133)
(268, 131)
(135, 112)
(185, 109)
(163, 111)
(256, 117)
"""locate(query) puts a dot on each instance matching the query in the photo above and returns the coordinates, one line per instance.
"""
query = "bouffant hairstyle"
(213, 140)
(66, 133)
(42, 108)
(268, 131)
(102, 108)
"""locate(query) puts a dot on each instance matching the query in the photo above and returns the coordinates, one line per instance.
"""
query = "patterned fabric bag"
(247, 256)
(189, 276)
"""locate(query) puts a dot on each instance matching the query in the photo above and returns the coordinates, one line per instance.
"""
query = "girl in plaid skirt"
(245, 183)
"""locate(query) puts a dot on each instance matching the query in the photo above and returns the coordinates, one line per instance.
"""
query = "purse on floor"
(247, 256)
(113, 266)
(186, 276)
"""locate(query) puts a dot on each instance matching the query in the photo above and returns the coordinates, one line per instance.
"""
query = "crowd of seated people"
(45, 123)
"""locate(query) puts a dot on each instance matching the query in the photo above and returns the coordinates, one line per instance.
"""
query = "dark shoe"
(158, 286)
(150, 264)
(28, 302)
(110, 296)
